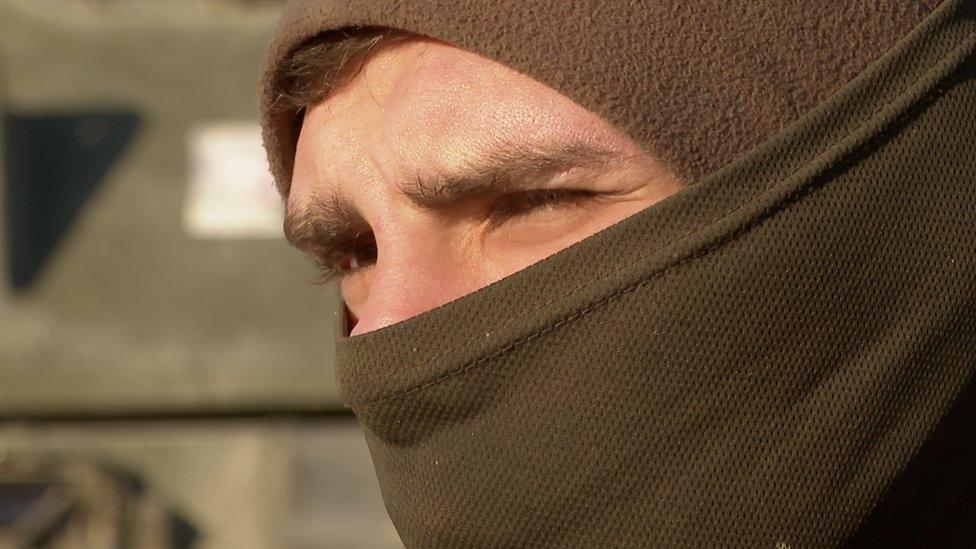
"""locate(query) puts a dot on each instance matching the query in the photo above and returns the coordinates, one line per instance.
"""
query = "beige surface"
(130, 314)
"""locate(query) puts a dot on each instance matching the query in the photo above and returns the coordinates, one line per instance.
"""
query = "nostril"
(365, 326)
(357, 329)
(371, 323)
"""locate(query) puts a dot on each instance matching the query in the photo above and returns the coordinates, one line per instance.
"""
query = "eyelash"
(331, 268)
(504, 210)
(522, 204)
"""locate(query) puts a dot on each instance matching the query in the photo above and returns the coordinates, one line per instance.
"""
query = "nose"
(412, 276)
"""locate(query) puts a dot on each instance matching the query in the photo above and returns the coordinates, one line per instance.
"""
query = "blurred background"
(166, 375)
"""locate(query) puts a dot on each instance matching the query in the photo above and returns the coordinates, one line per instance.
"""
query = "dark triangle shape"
(54, 162)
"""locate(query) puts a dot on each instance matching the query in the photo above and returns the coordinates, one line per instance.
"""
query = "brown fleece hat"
(697, 83)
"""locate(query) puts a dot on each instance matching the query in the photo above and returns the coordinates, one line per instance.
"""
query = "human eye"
(345, 261)
(538, 202)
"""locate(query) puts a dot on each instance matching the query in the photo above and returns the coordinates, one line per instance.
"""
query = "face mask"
(776, 356)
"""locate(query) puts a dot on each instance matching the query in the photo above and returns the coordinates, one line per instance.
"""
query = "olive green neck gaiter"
(777, 356)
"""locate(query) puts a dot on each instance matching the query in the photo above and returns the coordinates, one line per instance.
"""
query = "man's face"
(436, 172)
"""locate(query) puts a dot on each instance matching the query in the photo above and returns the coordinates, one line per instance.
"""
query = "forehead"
(433, 86)
(424, 107)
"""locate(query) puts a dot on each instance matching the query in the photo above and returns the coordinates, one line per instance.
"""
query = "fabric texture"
(780, 355)
(696, 82)
(765, 367)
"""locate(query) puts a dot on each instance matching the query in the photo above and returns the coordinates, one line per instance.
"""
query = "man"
(574, 321)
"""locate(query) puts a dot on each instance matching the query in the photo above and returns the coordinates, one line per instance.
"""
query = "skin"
(383, 152)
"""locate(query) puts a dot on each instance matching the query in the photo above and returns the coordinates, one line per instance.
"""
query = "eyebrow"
(328, 226)
(325, 226)
(504, 169)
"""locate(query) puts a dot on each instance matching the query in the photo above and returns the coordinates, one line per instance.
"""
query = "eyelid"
(329, 267)
(525, 203)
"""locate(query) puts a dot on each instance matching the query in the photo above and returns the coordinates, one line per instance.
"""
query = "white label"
(231, 192)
